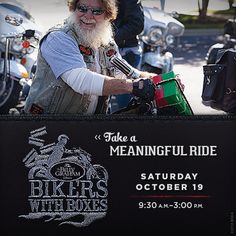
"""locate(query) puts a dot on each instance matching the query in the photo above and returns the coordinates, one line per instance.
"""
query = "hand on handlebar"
(145, 74)
(144, 88)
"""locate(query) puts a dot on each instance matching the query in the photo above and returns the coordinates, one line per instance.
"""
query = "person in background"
(127, 26)
(74, 74)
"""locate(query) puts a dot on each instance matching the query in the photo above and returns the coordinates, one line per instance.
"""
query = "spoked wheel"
(97, 172)
(9, 94)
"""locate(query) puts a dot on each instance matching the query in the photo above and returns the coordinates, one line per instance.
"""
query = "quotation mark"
(98, 137)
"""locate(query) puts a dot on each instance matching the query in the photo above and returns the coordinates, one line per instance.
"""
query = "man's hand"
(144, 88)
(181, 84)
(145, 74)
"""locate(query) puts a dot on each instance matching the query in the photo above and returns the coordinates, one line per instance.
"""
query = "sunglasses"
(95, 11)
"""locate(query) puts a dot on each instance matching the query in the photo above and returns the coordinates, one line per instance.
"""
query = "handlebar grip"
(123, 67)
(29, 33)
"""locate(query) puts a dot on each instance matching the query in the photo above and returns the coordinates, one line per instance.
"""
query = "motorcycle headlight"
(17, 45)
(170, 39)
(175, 29)
(155, 36)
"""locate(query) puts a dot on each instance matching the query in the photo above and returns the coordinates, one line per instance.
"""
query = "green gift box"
(168, 93)
(188, 111)
(162, 77)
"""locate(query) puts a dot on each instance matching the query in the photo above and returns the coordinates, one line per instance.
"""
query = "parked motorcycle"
(18, 39)
(160, 32)
(229, 40)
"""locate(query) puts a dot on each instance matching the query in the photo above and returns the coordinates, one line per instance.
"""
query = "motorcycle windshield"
(154, 3)
(17, 10)
(158, 18)
(8, 9)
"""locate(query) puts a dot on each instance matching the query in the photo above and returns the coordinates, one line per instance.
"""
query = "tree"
(230, 3)
(202, 9)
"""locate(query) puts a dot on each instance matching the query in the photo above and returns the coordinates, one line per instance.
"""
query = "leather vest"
(49, 95)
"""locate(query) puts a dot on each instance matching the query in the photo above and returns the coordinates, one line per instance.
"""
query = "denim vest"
(49, 95)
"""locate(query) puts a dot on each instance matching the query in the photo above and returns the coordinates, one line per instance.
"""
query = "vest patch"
(111, 52)
(85, 50)
(36, 109)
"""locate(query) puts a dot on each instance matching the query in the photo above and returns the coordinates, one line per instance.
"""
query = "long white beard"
(100, 35)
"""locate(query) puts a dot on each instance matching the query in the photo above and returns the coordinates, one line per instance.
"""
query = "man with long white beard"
(74, 74)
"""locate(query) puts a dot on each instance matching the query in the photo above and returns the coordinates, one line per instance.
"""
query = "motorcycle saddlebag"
(228, 57)
(220, 82)
(213, 84)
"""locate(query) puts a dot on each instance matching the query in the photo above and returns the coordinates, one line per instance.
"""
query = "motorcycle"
(229, 40)
(39, 164)
(160, 32)
(18, 39)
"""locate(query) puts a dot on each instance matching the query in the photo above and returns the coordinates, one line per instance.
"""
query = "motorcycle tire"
(10, 97)
(99, 171)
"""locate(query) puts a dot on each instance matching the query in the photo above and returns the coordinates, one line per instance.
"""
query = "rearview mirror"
(175, 14)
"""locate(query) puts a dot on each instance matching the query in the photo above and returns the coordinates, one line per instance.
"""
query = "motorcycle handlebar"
(12, 35)
(123, 67)
(27, 34)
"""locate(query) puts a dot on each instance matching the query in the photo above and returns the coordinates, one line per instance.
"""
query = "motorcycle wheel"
(100, 173)
(151, 69)
(10, 96)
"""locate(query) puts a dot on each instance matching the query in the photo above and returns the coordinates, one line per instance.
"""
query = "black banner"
(100, 175)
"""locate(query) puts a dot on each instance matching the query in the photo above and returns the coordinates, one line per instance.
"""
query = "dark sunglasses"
(84, 9)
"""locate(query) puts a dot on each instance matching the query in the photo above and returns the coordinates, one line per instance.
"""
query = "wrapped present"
(162, 77)
(168, 93)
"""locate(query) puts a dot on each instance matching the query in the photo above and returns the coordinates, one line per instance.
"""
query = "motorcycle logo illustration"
(64, 185)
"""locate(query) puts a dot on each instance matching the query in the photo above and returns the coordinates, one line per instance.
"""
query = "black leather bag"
(228, 58)
(213, 84)
(219, 87)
